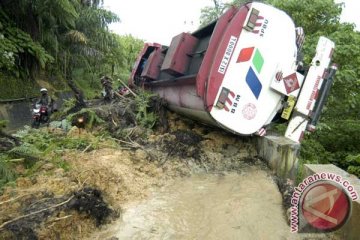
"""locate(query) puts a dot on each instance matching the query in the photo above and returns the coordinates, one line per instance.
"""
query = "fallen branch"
(41, 200)
(119, 95)
(133, 144)
(113, 121)
(134, 94)
(36, 212)
(16, 160)
(87, 148)
(15, 198)
(53, 221)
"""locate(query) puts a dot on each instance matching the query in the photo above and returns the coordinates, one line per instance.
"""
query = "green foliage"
(38, 143)
(353, 163)
(15, 43)
(69, 38)
(344, 102)
(343, 136)
(34, 144)
(34, 141)
(26, 150)
(313, 15)
(128, 52)
(3, 124)
(313, 152)
(87, 79)
(338, 144)
(101, 47)
(38, 146)
(9, 87)
(68, 34)
(60, 163)
(92, 118)
(67, 105)
(209, 14)
(144, 117)
(72, 143)
(354, 170)
(7, 174)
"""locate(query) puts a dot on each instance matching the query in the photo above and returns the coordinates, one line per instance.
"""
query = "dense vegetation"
(58, 40)
(48, 44)
(337, 139)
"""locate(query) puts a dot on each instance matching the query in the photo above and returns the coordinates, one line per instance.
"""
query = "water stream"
(207, 206)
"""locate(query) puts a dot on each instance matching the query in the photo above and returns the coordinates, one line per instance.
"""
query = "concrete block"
(351, 230)
(281, 154)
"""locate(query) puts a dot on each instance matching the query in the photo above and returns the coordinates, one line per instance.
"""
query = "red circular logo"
(325, 206)
(249, 111)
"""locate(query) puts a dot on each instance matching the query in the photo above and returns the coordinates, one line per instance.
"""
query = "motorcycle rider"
(107, 84)
(45, 99)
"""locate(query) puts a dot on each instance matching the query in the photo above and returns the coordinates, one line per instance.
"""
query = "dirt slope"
(115, 174)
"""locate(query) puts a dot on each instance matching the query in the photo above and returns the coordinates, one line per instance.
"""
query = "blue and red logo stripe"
(252, 80)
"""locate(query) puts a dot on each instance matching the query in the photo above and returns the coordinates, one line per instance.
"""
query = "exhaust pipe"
(323, 95)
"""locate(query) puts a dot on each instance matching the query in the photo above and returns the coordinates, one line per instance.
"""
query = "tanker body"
(241, 72)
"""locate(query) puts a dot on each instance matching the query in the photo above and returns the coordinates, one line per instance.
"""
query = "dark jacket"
(45, 100)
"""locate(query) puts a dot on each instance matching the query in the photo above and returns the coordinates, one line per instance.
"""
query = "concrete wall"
(18, 114)
(281, 155)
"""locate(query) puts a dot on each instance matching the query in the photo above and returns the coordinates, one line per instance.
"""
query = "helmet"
(43, 90)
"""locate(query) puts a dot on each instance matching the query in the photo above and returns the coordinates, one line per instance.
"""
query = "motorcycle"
(40, 115)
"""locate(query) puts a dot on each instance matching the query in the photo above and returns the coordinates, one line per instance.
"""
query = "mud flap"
(310, 91)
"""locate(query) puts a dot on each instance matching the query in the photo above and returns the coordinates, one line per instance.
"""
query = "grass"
(40, 147)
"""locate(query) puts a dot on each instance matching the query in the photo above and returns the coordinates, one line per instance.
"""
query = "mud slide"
(192, 182)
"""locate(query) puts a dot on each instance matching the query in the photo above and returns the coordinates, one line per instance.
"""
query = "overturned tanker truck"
(241, 73)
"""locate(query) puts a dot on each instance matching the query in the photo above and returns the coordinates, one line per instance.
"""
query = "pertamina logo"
(257, 61)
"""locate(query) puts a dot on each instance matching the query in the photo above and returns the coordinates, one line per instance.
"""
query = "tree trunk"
(79, 95)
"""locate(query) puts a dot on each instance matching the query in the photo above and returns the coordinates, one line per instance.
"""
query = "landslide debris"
(80, 179)
(39, 209)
